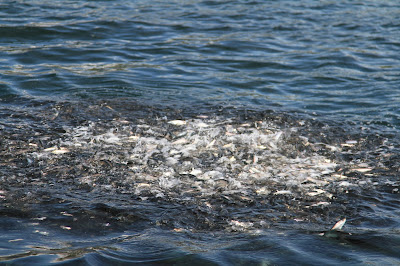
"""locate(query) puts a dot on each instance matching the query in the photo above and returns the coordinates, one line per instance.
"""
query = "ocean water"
(199, 132)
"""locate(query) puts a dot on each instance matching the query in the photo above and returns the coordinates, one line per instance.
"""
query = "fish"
(339, 225)
(335, 231)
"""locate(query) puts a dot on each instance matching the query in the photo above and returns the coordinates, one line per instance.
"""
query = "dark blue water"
(199, 132)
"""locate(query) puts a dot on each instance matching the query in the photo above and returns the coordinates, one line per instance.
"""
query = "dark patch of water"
(93, 178)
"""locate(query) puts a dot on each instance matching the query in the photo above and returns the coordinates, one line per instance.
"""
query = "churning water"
(199, 132)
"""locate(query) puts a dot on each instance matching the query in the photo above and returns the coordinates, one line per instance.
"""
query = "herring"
(335, 231)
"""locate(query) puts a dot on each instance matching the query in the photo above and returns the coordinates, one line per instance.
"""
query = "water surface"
(199, 132)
